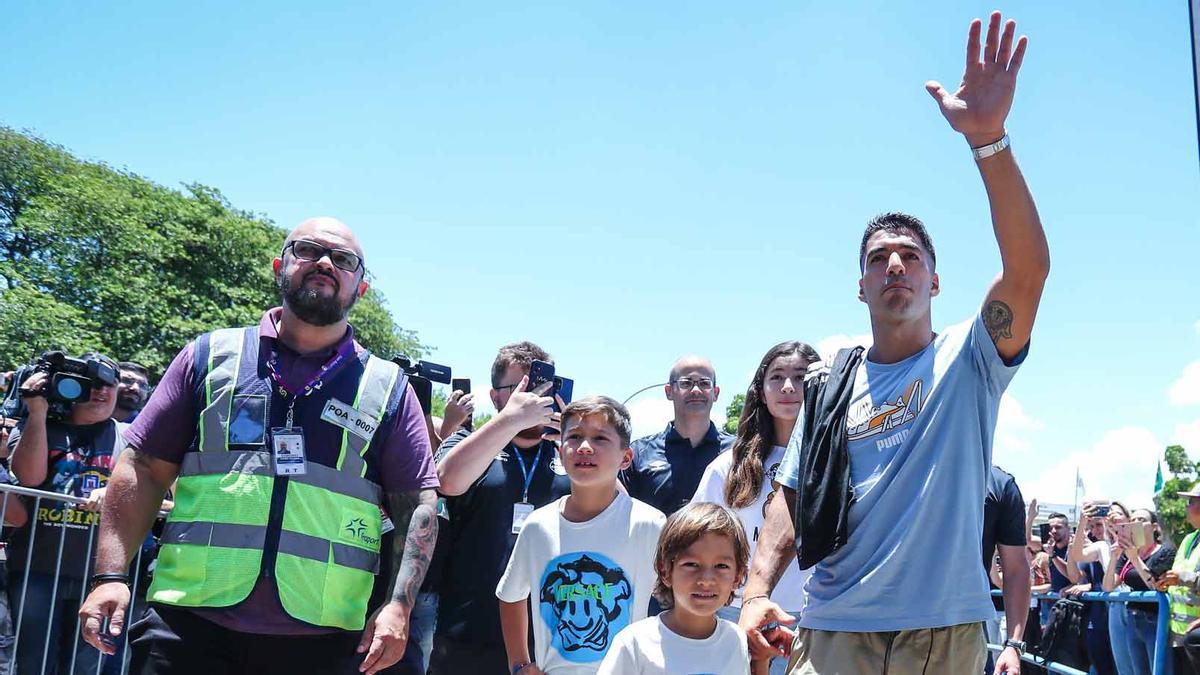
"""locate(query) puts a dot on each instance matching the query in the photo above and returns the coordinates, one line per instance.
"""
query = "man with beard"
(288, 440)
(133, 388)
(492, 478)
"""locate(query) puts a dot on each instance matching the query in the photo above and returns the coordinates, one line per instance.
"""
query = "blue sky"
(627, 182)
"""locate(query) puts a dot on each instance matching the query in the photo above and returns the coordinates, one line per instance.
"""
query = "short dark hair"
(1056, 514)
(895, 221)
(607, 408)
(135, 367)
(519, 354)
(687, 526)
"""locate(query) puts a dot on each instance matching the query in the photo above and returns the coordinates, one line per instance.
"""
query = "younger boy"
(586, 559)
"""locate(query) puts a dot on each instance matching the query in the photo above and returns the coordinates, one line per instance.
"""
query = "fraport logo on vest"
(357, 530)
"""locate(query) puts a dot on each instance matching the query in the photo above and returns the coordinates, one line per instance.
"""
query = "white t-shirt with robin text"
(585, 581)
(648, 647)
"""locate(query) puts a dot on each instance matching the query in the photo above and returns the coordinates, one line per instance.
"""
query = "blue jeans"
(424, 621)
(1132, 635)
(50, 629)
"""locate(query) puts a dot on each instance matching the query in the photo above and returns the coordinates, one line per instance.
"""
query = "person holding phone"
(492, 479)
(1137, 559)
(1091, 549)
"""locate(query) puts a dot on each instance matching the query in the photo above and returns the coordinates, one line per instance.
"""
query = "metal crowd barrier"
(82, 654)
(1162, 639)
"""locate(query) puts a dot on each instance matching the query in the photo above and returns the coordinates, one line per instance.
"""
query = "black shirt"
(1158, 563)
(1003, 518)
(480, 538)
(666, 469)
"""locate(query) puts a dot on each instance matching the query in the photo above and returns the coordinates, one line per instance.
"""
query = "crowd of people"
(320, 520)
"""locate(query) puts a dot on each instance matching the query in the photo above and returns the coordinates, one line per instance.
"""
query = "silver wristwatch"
(1017, 645)
(985, 151)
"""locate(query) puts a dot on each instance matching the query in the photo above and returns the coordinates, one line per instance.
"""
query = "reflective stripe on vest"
(328, 546)
(1185, 603)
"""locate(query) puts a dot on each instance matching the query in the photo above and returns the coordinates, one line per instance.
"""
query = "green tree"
(1172, 509)
(733, 413)
(93, 258)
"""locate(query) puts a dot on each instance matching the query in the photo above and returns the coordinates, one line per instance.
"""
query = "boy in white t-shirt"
(587, 560)
(702, 557)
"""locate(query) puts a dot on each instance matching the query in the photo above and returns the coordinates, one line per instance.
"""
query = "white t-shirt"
(585, 581)
(789, 592)
(648, 647)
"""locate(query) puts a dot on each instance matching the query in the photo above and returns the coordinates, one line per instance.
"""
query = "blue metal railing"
(1162, 639)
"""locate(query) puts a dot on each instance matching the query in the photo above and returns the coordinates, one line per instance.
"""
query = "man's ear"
(276, 265)
(667, 390)
(626, 458)
(934, 286)
(716, 392)
(495, 396)
(862, 295)
(362, 287)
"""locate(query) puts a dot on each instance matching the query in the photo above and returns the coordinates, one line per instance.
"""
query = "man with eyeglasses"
(492, 479)
(133, 390)
(295, 450)
(667, 466)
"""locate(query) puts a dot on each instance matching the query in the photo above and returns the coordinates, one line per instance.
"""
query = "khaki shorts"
(952, 650)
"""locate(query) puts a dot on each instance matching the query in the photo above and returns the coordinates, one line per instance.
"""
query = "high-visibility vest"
(317, 534)
(1185, 603)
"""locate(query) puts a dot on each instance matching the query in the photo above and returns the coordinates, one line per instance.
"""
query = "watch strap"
(985, 151)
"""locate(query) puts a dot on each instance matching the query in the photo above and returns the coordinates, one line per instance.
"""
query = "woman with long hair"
(741, 477)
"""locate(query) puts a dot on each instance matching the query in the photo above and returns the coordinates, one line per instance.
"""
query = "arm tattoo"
(998, 318)
(414, 513)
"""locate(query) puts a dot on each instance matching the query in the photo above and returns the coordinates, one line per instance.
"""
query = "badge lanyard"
(527, 473)
(314, 383)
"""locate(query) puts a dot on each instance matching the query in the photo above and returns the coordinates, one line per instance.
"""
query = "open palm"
(981, 104)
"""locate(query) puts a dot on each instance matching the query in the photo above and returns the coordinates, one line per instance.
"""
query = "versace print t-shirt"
(584, 581)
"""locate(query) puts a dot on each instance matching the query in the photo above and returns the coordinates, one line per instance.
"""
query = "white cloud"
(1121, 465)
(1187, 434)
(1013, 429)
(1186, 390)
(829, 346)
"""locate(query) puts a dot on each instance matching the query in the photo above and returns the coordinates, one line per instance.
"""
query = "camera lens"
(68, 389)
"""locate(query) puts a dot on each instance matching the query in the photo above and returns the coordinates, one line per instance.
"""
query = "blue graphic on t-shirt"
(584, 601)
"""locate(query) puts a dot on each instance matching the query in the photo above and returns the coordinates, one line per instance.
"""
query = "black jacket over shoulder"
(823, 493)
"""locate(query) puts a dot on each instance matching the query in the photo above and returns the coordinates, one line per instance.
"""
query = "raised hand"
(979, 107)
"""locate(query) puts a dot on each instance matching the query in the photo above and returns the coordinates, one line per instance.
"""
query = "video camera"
(69, 381)
(422, 375)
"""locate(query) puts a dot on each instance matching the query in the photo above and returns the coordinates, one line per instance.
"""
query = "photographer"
(71, 454)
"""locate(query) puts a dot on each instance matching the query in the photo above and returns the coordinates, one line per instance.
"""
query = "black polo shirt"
(666, 469)
(1003, 518)
(480, 539)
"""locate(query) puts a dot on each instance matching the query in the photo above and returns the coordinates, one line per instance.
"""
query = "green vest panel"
(327, 548)
(1185, 603)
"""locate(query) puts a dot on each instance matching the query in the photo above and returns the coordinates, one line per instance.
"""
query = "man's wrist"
(979, 140)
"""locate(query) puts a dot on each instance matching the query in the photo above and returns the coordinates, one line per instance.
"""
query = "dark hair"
(608, 408)
(1056, 514)
(687, 526)
(896, 222)
(756, 430)
(136, 367)
(518, 353)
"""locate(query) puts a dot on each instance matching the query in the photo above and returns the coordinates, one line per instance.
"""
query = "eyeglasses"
(312, 251)
(506, 386)
(687, 383)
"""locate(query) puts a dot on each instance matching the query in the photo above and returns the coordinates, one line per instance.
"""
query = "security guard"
(294, 451)
(1182, 580)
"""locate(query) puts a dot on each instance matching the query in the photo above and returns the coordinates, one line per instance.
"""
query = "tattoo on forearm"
(998, 318)
(415, 514)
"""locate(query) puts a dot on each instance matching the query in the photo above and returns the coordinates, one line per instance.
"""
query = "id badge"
(521, 511)
(287, 451)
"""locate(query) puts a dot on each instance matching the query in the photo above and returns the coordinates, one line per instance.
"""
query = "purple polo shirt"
(407, 460)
